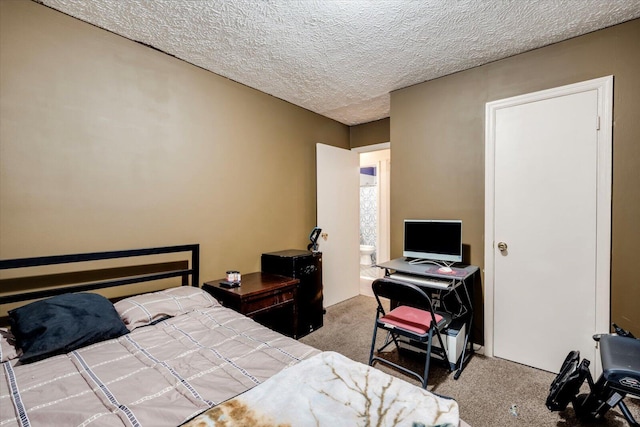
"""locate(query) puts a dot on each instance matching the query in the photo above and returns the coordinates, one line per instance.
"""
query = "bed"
(176, 356)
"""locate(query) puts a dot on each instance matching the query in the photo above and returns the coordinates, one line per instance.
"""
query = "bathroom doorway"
(375, 163)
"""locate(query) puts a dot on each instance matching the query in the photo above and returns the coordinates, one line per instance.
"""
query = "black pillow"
(63, 323)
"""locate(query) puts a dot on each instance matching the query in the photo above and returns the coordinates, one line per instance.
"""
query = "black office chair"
(620, 356)
(413, 318)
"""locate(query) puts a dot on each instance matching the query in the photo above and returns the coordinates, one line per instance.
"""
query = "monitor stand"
(416, 261)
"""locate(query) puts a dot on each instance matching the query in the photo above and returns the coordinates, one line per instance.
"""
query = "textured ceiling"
(342, 58)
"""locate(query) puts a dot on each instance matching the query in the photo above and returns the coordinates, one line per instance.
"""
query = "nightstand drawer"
(267, 302)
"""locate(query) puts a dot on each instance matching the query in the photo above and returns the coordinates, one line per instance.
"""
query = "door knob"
(502, 246)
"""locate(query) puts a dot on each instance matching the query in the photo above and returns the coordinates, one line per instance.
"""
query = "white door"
(551, 183)
(338, 198)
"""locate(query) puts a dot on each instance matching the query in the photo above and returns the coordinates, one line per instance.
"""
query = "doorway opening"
(369, 215)
(375, 165)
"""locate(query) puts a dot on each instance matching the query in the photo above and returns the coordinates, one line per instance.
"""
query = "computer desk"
(458, 282)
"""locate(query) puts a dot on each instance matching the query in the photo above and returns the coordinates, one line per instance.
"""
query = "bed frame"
(43, 286)
(251, 365)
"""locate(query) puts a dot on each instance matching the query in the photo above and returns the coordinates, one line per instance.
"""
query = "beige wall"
(376, 132)
(106, 144)
(437, 139)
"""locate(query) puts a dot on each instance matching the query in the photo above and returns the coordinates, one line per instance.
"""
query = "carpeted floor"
(490, 391)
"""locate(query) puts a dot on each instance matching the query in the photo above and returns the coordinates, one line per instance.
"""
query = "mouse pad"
(455, 272)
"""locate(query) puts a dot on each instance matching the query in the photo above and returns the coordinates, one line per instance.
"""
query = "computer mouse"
(445, 270)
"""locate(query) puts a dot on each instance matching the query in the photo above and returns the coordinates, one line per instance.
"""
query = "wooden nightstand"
(264, 297)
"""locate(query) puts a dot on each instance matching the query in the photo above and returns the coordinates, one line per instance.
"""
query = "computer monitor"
(437, 240)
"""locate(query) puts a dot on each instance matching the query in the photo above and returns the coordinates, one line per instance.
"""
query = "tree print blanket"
(332, 390)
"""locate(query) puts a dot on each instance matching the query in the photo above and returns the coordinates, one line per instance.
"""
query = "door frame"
(604, 86)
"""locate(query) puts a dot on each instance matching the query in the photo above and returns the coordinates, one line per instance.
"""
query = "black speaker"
(305, 266)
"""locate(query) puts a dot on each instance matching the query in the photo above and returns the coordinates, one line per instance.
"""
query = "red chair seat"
(411, 319)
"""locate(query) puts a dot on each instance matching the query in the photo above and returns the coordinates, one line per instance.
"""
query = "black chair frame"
(407, 294)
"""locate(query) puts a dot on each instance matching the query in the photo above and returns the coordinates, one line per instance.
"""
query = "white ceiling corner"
(342, 58)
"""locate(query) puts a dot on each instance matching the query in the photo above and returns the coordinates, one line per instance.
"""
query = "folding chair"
(413, 318)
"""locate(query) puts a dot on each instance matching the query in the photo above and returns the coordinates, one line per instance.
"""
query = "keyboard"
(431, 282)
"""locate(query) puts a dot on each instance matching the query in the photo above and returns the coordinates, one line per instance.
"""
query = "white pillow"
(140, 310)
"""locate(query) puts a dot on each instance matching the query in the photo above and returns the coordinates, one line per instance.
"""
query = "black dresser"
(305, 266)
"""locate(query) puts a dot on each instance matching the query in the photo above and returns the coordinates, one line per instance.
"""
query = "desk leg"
(469, 325)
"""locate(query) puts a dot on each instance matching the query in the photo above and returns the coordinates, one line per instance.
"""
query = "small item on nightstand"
(233, 276)
(228, 284)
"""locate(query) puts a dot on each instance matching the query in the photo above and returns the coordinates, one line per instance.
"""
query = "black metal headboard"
(102, 278)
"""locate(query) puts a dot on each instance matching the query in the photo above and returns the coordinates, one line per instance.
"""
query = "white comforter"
(331, 390)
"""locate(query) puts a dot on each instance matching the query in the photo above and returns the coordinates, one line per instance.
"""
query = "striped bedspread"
(161, 375)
